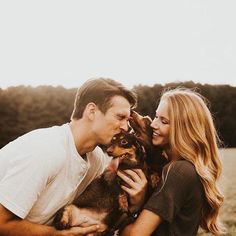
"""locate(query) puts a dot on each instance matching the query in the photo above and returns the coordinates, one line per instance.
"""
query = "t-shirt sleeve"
(23, 182)
(167, 200)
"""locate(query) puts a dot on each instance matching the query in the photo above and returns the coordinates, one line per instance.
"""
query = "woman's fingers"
(134, 177)
(137, 185)
(126, 179)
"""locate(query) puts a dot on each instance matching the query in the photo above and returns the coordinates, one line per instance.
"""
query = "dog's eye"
(123, 142)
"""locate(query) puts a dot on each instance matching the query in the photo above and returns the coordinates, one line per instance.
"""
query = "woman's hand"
(137, 186)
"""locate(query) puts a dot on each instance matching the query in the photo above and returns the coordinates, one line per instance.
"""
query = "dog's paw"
(154, 179)
(63, 218)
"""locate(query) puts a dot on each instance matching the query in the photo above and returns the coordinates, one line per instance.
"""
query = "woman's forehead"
(162, 107)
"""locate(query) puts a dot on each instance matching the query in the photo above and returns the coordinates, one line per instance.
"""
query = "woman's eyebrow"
(162, 117)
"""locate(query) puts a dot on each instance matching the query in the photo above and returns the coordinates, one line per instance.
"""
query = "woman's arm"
(145, 224)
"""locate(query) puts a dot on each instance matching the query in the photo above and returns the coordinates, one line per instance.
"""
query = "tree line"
(24, 108)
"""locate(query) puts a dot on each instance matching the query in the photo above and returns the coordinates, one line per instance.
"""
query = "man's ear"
(90, 110)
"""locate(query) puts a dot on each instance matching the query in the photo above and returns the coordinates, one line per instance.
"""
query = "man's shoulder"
(54, 135)
(40, 145)
(48, 131)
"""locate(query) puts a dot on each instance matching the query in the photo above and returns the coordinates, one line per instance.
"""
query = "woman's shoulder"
(184, 169)
(183, 165)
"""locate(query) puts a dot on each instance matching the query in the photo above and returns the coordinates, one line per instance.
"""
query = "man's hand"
(11, 225)
(79, 231)
(137, 183)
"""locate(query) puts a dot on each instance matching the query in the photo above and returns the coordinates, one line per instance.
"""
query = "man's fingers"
(79, 231)
(90, 229)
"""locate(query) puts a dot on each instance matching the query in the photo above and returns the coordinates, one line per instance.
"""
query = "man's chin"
(106, 143)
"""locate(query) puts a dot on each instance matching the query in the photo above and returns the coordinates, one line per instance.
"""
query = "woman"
(188, 195)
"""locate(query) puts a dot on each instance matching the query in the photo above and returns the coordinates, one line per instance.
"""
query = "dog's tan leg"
(154, 179)
(123, 202)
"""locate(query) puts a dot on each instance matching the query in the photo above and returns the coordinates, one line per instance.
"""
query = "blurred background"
(49, 48)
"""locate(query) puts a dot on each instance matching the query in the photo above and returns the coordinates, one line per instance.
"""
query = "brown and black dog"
(141, 126)
(104, 196)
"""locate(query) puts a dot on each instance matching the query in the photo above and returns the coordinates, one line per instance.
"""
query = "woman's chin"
(159, 143)
(156, 142)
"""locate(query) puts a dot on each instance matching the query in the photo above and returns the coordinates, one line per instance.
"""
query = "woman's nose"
(154, 124)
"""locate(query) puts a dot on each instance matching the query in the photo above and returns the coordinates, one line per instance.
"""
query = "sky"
(132, 41)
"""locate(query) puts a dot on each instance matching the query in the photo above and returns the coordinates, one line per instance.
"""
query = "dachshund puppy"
(104, 201)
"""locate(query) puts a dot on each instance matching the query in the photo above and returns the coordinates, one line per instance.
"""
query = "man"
(46, 169)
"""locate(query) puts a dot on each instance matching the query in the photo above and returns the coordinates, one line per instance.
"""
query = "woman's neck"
(172, 155)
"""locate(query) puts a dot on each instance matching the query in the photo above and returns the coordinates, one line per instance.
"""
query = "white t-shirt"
(42, 171)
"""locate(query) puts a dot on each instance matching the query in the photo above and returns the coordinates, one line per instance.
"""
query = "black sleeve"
(167, 200)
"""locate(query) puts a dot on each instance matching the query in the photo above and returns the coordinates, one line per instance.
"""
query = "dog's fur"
(142, 129)
(104, 195)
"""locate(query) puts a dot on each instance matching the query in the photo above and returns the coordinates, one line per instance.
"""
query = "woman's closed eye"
(162, 119)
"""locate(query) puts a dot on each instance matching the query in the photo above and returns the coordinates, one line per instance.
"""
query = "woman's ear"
(90, 110)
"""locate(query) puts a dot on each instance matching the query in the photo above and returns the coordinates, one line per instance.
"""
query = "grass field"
(228, 184)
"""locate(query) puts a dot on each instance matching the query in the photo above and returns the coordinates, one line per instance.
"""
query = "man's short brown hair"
(100, 91)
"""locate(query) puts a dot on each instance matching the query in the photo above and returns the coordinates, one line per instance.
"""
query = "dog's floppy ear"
(130, 129)
(140, 148)
(149, 118)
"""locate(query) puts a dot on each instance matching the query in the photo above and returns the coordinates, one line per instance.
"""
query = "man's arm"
(11, 225)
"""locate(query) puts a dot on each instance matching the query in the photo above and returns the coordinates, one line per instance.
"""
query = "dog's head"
(128, 150)
(142, 129)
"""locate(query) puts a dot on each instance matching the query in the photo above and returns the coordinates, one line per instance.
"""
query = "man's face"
(113, 121)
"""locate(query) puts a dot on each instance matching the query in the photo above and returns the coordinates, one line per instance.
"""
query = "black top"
(179, 202)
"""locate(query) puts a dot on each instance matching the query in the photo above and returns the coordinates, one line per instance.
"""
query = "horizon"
(130, 87)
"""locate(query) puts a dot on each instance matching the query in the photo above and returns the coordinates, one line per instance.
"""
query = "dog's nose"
(110, 150)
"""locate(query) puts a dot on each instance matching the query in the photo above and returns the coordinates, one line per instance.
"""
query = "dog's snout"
(110, 150)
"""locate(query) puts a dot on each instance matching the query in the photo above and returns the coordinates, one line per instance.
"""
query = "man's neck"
(83, 139)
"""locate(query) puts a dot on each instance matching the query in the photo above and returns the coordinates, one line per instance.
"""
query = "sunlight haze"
(135, 42)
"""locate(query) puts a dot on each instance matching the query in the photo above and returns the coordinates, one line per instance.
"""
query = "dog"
(156, 157)
(104, 201)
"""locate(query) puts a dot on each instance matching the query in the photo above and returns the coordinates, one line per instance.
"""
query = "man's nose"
(124, 125)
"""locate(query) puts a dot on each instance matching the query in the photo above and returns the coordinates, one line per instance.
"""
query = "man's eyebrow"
(123, 115)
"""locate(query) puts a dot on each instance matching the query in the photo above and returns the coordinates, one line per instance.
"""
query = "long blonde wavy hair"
(193, 137)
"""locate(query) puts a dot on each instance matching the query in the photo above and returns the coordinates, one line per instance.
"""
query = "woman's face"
(161, 125)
